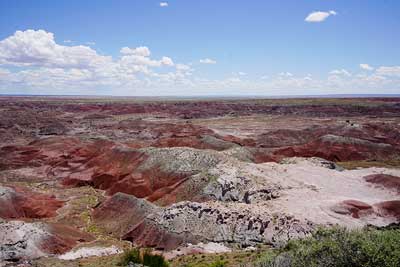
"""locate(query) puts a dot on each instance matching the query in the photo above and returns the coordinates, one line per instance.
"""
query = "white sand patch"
(210, 247)
(309, 191)
(89, 252)
(200, 248)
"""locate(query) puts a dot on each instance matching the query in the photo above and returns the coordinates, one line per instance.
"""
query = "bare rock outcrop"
(167, 228)
(241, 224)
(21, 240)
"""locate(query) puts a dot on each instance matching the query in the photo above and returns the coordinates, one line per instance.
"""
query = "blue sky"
(199, 47)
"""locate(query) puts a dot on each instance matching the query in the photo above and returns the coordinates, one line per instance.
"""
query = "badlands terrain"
(82, 179)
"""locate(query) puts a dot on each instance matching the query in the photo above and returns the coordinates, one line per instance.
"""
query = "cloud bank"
(32, 62)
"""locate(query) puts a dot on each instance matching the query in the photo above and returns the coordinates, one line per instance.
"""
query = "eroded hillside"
(188, 177)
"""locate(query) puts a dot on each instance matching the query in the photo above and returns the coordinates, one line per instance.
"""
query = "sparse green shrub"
(148, 259)
(338, 247)
(218, 263)
(131, 255)
(152, 260)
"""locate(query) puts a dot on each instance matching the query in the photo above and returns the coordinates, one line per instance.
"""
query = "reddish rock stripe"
(24, 203)
(353, 208)
(358, 209)
(389, 209)
(63, 238)
(385, 180)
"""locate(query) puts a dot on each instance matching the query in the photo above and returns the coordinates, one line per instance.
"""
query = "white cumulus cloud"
(163, 4)
(389, 71)
(167, 61)
(285, 74)
(366, 66)
(319, 16)
(208, 61)
(141, 56)
(38, 48)
(340, 72)
(47, 67)
(138, 51)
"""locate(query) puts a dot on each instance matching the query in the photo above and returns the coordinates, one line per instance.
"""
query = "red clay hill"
(165, 173)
